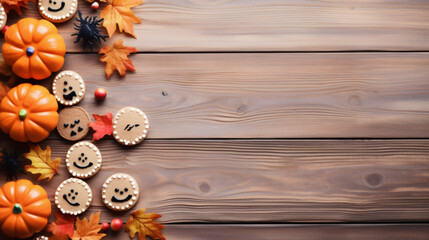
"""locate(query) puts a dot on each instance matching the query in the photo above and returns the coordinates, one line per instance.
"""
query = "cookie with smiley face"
(120, 192)
(73, 196)
(83, 160)
(73, 123)
(130, 126)
(68, 88)
(57, 11)
(3, 17)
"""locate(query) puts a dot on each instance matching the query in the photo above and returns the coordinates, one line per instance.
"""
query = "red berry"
(95, 5)
(100, 94)
(105, 226)
(4, 29)
(116, 224)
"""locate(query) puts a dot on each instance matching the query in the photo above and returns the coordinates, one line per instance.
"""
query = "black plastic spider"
(88, 30)
(11, 165)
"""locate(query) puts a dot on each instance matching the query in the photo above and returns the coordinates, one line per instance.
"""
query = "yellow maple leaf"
(143, 224)
(88, 230)
(118, 12)
(116, 57)
(41, 162)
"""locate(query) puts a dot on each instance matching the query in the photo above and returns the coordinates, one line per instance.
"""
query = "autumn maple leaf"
(41, 162)
(88, 230)
(62, 228)
(116, 57)
(143, 224)
(102, 126)
(14, 4)
(6, 71)
(3, 90)
(118, 12)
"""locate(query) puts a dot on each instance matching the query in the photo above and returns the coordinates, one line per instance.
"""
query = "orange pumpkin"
(28, 113)
(33, 48)
(24, 209)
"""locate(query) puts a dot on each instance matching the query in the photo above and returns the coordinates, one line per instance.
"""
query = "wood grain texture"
(341, 95)
(287, 231)
(270, 25)
(256, 181)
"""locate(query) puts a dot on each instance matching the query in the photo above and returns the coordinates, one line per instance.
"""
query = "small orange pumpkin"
(28, 113)
(24, 209)
(33, 48)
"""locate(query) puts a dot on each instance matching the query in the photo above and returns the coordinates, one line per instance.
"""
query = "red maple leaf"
(102, 126)
(62, 229)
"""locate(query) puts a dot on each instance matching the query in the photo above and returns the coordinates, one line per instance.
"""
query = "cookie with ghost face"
(3, 17)
(83, 160)
(57, 11)
(68, 88)
(73, 196)
(73, 123)
(120, 192)
(130, 126)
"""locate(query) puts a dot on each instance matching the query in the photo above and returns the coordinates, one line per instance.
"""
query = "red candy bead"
(105, 226)
(100, 94)
(4, 29)
(95, 5)
(116, 224)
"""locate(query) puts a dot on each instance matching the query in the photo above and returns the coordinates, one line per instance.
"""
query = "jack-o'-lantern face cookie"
(73, 196)
(120, 192)
(73, 123)
(83, 160)
(130, 126)
(3, 17)
(57, 10)
(68, 88)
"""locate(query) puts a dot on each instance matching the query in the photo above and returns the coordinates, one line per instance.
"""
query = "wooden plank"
(288, 231)
(190, 181)
(359, 95)
(270, 25)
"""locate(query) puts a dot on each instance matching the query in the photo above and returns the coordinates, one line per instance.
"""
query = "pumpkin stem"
(22, 114)
(17, 209)
(30, 51)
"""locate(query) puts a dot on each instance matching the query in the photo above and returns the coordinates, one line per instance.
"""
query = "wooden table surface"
(270, 119)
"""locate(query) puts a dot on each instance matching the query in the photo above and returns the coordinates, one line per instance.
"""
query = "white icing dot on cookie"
(130, 126)
(120, 192)
(73, 196)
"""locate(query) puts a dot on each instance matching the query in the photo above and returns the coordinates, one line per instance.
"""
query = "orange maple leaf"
(102, 126)
(116, 57)
(118, 12)
(62, 228)
(14, 4)
(41, 162)
(88, 230)
(143, 224)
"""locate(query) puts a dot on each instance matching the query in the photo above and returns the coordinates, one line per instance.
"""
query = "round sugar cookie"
(83, 160)
(57, 11)
(73, 123)
(120, 192)
(68, 88)
(3, 17)
(73, 196)
(130, 126)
